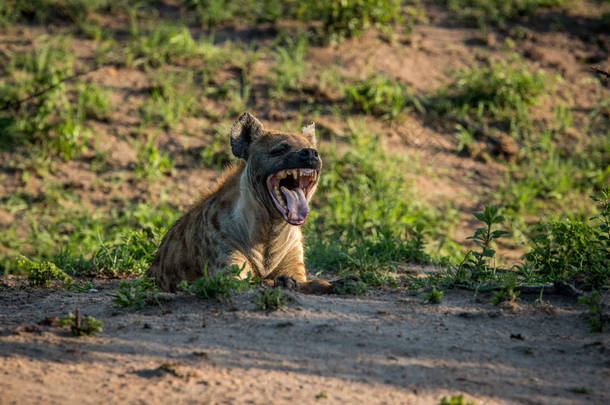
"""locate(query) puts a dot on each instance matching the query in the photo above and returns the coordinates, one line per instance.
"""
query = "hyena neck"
(253, 218)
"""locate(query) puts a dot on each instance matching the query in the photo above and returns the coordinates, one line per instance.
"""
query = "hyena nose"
(308, 155)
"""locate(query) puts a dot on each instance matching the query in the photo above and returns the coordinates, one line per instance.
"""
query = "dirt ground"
(387, 348)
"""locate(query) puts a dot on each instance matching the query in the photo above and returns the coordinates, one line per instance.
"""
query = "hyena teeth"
(282, 174)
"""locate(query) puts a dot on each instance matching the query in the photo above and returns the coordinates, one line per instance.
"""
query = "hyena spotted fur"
(253, 216)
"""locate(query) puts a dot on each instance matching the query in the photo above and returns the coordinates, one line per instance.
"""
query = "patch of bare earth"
(387, 347)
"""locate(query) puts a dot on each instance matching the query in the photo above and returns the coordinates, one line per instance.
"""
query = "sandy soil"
(387, 347)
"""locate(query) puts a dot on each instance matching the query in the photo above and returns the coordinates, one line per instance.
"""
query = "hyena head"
(282, 168)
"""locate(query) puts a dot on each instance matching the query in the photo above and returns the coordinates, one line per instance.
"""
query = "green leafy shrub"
(218, 285)
(476, 264)
(41, 273)
(137, 294)
(566, 249)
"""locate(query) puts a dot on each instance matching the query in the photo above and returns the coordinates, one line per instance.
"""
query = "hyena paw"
(286, 282)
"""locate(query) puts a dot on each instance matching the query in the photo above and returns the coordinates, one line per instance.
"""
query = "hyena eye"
(279, 149)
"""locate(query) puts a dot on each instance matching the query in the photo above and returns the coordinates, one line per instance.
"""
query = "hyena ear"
(310, 132)
(243, 132)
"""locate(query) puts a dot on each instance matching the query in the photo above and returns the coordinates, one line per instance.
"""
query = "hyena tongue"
(296, 203)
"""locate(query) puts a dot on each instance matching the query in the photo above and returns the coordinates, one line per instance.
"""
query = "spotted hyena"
(253, 217)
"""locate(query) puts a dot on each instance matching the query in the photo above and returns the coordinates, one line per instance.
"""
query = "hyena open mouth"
(289, 191)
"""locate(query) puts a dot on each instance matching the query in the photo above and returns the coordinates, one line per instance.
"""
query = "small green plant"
(476, 265)
(41, 273)
(455, 400)
(151, 163)
(69, 138)
(270, 299)
(597, 318)
(381, 96)
(137, 294)
(505, 294)
(217, 285)
(433, 297)
(350, 286)
(92, 102)
(81, 326)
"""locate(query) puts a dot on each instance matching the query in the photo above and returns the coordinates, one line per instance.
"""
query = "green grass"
(290, 65)
(28, 72)
(151, 163)
(171, 99)
(366, 211)
(496, 93)
(381, 96)
(79, 241)
(169, 43)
